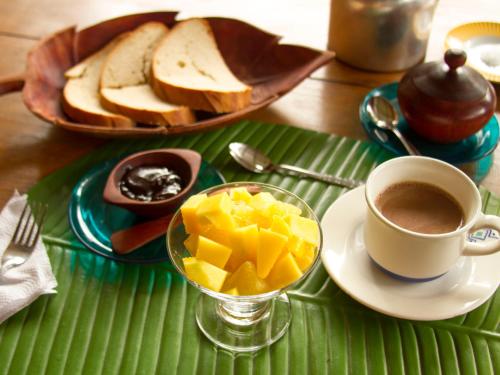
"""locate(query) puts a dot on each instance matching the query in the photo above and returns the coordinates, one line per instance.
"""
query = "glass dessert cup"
(241, 323)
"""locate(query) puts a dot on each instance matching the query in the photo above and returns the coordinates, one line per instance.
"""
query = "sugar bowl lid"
(449, 81)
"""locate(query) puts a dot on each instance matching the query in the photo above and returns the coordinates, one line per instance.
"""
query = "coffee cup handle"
(484, 248)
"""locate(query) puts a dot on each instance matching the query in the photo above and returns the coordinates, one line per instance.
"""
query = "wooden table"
(327, 101)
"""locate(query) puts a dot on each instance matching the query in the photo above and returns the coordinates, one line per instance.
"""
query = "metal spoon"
(384, 115)
(255, 161)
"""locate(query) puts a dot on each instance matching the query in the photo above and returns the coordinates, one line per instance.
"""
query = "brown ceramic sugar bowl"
(186, 163)
(446, 102)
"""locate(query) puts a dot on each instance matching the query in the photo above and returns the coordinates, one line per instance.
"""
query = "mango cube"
(271, 245)
(262, 204)
(191, 243)
(216, 210)
(243, 214)
(262, 201)
(238, 254)
(240, 194)
(218, 235)
(233, 292)
(188, 211)
(294, 244)
(246, 280)
(279, 225)
(212, 252)
(298, 247)
(284, 272)
(304, 228)
(204, 273)
(284, 209)
(305, 260)
(247, 239)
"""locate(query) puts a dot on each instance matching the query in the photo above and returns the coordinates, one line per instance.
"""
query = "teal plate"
(473, 153)
(93, 221)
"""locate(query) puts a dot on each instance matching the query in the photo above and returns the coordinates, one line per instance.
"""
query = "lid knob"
(455, 58)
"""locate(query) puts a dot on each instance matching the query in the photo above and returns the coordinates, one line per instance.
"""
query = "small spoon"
(384, 115)
(255, 161)
(127, 240)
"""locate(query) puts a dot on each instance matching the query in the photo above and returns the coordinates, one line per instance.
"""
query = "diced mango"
(284, 272)
(304, 228)
(238, 253)
(279, 225)
(188, 211)
(298, 247)
(191, 243)
(221, 236)
(262, 201)
(284, 209)
(263, 221)
(240, 194)
(243, 214)
(264, 242)
(271, 244)
(246, 280)
(216, 210)
(214, 204)
(262, 204)
(212, 252)
(305, 260)
(247, 238)
(294, 244)
(204, 273)
(233, 292)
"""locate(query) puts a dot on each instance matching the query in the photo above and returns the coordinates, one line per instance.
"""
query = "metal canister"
(380, 35)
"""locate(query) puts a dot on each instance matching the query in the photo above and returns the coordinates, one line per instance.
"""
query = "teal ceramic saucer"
(93, 221)
(474, 155)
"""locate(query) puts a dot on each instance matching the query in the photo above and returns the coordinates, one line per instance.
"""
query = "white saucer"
(467, 285)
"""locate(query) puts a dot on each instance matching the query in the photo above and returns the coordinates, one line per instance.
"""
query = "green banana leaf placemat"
(114, 318)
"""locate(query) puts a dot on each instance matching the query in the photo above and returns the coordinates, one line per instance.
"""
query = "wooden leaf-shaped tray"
(254, 56)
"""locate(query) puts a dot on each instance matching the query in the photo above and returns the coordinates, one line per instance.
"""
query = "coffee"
(420, 207)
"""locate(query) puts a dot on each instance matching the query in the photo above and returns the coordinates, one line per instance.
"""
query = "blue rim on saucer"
(404, 278)
(474, 152)
(93, 221)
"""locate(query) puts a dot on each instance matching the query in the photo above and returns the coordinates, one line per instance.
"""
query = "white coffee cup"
(416, 255)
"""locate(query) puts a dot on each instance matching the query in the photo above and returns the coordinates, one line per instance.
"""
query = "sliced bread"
(124, 85)
(188, 69)
(81, 99)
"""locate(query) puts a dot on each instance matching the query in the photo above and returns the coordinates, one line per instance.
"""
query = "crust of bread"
(219, 101)
(76, 109)
(85, 117)
(182, 116)
(124, 83)
(205, 100)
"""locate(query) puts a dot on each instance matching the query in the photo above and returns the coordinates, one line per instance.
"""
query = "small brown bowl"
(185, 162)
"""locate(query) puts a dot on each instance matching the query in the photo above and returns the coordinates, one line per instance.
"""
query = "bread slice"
(124, 85)
(81, 100)
(188, 69)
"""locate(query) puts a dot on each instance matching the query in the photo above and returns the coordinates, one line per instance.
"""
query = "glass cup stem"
(243, 313)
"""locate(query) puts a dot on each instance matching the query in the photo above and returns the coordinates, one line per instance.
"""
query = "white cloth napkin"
(21, 285)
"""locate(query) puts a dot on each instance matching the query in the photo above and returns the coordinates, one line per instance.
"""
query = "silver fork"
(25, 236)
